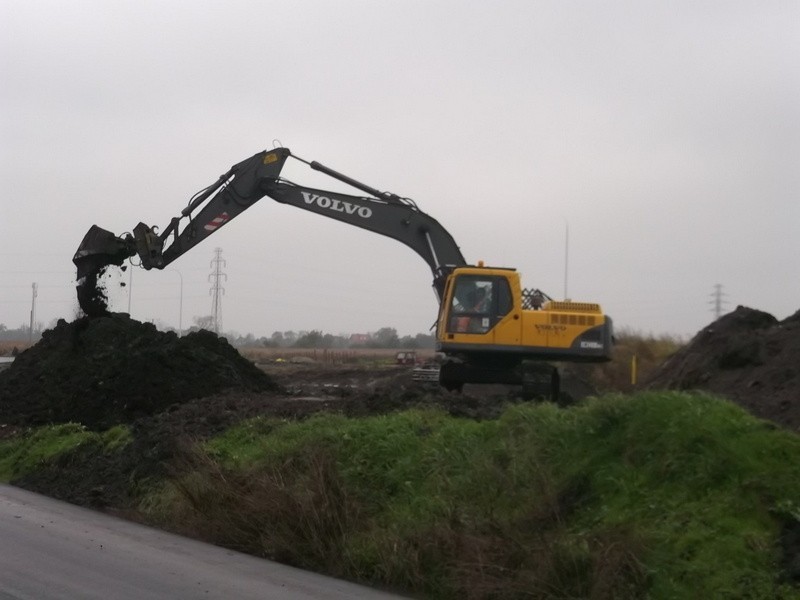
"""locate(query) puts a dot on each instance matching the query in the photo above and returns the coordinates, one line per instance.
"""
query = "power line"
(33, 310)
(217, 291)
(717, 300)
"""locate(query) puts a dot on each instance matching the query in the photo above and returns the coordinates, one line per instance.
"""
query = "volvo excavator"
(489, 328)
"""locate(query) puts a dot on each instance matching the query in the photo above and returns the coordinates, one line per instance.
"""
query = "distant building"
(359, 339)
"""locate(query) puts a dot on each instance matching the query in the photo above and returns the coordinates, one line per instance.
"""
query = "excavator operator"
(481, 300)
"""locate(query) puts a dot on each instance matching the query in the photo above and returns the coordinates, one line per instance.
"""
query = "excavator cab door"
(477, 303)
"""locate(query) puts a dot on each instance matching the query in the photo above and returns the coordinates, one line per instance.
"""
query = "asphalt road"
(52, 550)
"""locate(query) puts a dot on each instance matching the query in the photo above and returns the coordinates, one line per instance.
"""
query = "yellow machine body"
(486, 311)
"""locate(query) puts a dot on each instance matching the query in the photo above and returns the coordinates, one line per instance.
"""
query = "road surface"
(52, 550)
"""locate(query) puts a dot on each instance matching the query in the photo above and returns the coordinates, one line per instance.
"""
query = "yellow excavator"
(489, 329)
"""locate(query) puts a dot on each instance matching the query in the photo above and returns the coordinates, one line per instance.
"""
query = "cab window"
(478, 303)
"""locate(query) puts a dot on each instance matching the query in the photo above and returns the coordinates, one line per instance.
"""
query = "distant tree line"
(385, 337)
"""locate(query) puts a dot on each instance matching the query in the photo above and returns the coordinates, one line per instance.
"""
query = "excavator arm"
(254, 178)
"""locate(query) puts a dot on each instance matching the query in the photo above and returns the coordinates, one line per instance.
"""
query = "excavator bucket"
(98, 249)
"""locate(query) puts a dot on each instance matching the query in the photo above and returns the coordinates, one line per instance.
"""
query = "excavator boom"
(254, 178)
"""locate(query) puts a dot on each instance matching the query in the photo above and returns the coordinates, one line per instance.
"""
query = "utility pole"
(180, 307)
(217, 291)
(566, 259)
(717, 300)
(33, 312)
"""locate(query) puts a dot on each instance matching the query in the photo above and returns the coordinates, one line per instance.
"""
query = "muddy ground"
(112, 369)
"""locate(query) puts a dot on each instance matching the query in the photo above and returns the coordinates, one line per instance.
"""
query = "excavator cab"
(493, 331)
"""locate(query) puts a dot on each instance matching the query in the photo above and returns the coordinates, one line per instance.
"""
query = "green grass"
(662, 495)
(704, 484)
(28, 451)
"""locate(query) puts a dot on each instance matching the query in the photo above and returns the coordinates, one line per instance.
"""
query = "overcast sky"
(664, 135)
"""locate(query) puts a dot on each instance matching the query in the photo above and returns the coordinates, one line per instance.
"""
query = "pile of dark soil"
(749, 357)
(112, 369)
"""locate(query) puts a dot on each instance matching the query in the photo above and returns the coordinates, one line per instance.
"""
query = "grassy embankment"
(662, 495)
(674, 495)
(27, 450)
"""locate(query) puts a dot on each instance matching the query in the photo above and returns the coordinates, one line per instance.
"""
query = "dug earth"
(747, 356)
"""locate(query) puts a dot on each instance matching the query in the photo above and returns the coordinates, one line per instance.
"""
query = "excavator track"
(541, 381)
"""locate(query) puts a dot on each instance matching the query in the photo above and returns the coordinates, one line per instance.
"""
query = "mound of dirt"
(112, 369)
(749, 357)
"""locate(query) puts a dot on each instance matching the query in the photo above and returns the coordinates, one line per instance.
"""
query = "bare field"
(7, 347)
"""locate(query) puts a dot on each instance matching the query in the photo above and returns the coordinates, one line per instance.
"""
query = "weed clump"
(26, 452)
